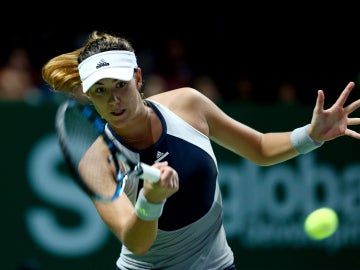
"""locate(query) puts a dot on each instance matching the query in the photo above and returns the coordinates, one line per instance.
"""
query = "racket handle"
(150, 173)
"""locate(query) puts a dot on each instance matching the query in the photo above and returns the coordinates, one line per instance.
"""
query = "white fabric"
(201, 245)
(110, 64)
(302, 142)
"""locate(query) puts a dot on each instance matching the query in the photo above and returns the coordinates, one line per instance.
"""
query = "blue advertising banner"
(48, 223)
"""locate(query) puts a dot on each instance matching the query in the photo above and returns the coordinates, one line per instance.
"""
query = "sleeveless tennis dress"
(191, 235)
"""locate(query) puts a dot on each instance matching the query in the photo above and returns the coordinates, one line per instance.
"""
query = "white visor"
(110, 64)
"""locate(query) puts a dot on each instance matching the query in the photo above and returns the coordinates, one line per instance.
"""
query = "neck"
(143, 133)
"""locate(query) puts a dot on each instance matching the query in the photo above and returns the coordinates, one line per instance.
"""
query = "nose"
(115, 95)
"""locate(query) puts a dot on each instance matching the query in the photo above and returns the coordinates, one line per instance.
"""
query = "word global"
(263, 206)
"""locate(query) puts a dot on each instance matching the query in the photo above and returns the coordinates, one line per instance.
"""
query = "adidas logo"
(102, 63)
(160, 156)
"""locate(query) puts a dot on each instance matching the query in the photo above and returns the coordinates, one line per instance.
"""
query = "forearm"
(283, 146)
(276, 148)
(139, 235)
(136, 234)
(143, 225)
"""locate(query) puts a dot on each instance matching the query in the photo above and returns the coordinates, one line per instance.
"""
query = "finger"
(353, 106)
(352, 133)
(174, 183)
(160, 165)
(344, 94)
(319, 107)
(353, 121)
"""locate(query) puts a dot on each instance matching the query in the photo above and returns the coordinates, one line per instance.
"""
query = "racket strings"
(82, 143)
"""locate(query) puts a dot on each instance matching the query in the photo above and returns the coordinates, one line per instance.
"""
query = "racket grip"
(150, 173)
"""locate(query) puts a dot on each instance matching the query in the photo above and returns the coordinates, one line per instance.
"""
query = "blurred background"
(262, 64)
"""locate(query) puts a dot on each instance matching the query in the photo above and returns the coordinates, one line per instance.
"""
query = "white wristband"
(302, 142)
(147, 210)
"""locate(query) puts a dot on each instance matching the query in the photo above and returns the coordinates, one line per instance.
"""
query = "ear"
(139, 79)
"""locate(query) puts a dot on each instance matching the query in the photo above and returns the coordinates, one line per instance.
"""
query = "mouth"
(118, 113)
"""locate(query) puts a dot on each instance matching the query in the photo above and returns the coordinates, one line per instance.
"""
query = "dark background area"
(315, 47)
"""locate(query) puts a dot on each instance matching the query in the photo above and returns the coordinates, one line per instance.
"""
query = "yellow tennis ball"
(321, 223)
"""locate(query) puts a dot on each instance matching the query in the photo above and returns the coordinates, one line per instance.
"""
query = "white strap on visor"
(119, 64)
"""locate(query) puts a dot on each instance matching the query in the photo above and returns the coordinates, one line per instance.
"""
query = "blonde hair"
(61, 72)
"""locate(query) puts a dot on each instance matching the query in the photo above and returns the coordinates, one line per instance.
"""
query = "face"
(118, 102)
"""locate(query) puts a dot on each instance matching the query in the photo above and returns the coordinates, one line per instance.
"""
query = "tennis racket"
(100, 168)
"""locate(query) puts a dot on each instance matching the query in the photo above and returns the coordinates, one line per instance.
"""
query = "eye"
(120, 84)
(98, 90)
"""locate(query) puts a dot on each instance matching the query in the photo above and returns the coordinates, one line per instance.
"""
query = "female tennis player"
(176, 223)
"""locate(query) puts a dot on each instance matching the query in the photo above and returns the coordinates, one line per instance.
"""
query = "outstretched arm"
(274, 147)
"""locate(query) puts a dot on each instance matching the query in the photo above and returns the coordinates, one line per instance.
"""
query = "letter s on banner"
(56, 189)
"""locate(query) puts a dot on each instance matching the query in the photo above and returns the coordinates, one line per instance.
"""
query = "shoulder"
(188, 103)
(177, 98)
(184, 91)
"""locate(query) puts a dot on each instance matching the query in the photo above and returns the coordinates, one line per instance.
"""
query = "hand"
(167, 185)
(333, 122)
